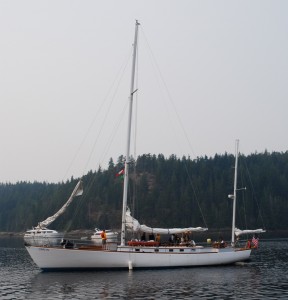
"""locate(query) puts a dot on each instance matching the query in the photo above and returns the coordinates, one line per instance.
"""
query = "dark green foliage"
(169, 192)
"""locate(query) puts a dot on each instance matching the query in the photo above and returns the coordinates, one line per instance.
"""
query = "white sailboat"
(138, 254)
(41, 235)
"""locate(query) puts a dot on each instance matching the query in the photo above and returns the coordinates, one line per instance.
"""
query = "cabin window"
(137, 250)
(170, 250)
(156, 250)
(181, 250)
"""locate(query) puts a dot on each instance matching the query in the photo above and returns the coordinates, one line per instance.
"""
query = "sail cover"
(133, 225)
(78, 191)
(239, 232)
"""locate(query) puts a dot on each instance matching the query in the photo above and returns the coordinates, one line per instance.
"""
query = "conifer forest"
(163, 192)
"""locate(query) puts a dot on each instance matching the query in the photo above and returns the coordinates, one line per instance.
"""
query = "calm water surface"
(264, 277)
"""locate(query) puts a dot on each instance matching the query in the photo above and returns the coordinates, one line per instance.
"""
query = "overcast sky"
(209, 72)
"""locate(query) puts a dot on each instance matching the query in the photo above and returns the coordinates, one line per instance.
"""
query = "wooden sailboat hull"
(136, 255)
(128, 257)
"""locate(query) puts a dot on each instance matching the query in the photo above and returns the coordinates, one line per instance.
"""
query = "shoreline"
(213, 233)
(79, 232)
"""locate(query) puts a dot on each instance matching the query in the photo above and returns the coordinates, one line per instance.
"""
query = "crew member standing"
(104, 239)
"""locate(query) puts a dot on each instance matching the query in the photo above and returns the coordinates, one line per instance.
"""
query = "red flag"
(120, 173)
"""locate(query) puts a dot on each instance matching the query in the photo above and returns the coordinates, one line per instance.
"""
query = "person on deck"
(222, 242)
(158, 238)
(248, 245)
(104, 239)
(172, 239)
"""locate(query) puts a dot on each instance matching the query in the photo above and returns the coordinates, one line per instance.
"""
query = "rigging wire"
(115, 85)
(106, 115)
(254, 194)
(243, 199)
(116, 82)
(156, 66)
(90, 184)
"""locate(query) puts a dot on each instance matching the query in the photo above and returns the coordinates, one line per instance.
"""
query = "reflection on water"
(264, 277)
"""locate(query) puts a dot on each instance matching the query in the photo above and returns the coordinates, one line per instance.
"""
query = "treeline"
(163, 192)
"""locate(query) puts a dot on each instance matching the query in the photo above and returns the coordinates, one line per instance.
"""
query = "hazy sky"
(217, 69)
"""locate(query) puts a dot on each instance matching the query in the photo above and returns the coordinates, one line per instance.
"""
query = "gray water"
(265, 276)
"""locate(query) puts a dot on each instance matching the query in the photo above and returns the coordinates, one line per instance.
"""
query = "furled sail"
(78, 191)
(239, 232)
(133, 225)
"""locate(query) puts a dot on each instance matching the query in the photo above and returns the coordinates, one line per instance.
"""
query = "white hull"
(134, 257)
(143, 255)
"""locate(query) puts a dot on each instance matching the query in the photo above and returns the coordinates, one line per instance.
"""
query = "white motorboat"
(41, 235)
(112, 236)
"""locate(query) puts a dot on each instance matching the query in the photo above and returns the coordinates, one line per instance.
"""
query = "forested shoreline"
(163, 192)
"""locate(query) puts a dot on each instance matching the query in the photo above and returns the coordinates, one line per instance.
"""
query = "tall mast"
(235, 192)
(126, 169)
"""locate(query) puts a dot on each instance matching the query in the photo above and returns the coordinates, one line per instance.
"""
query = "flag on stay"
(255, 241)
(120, 174)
